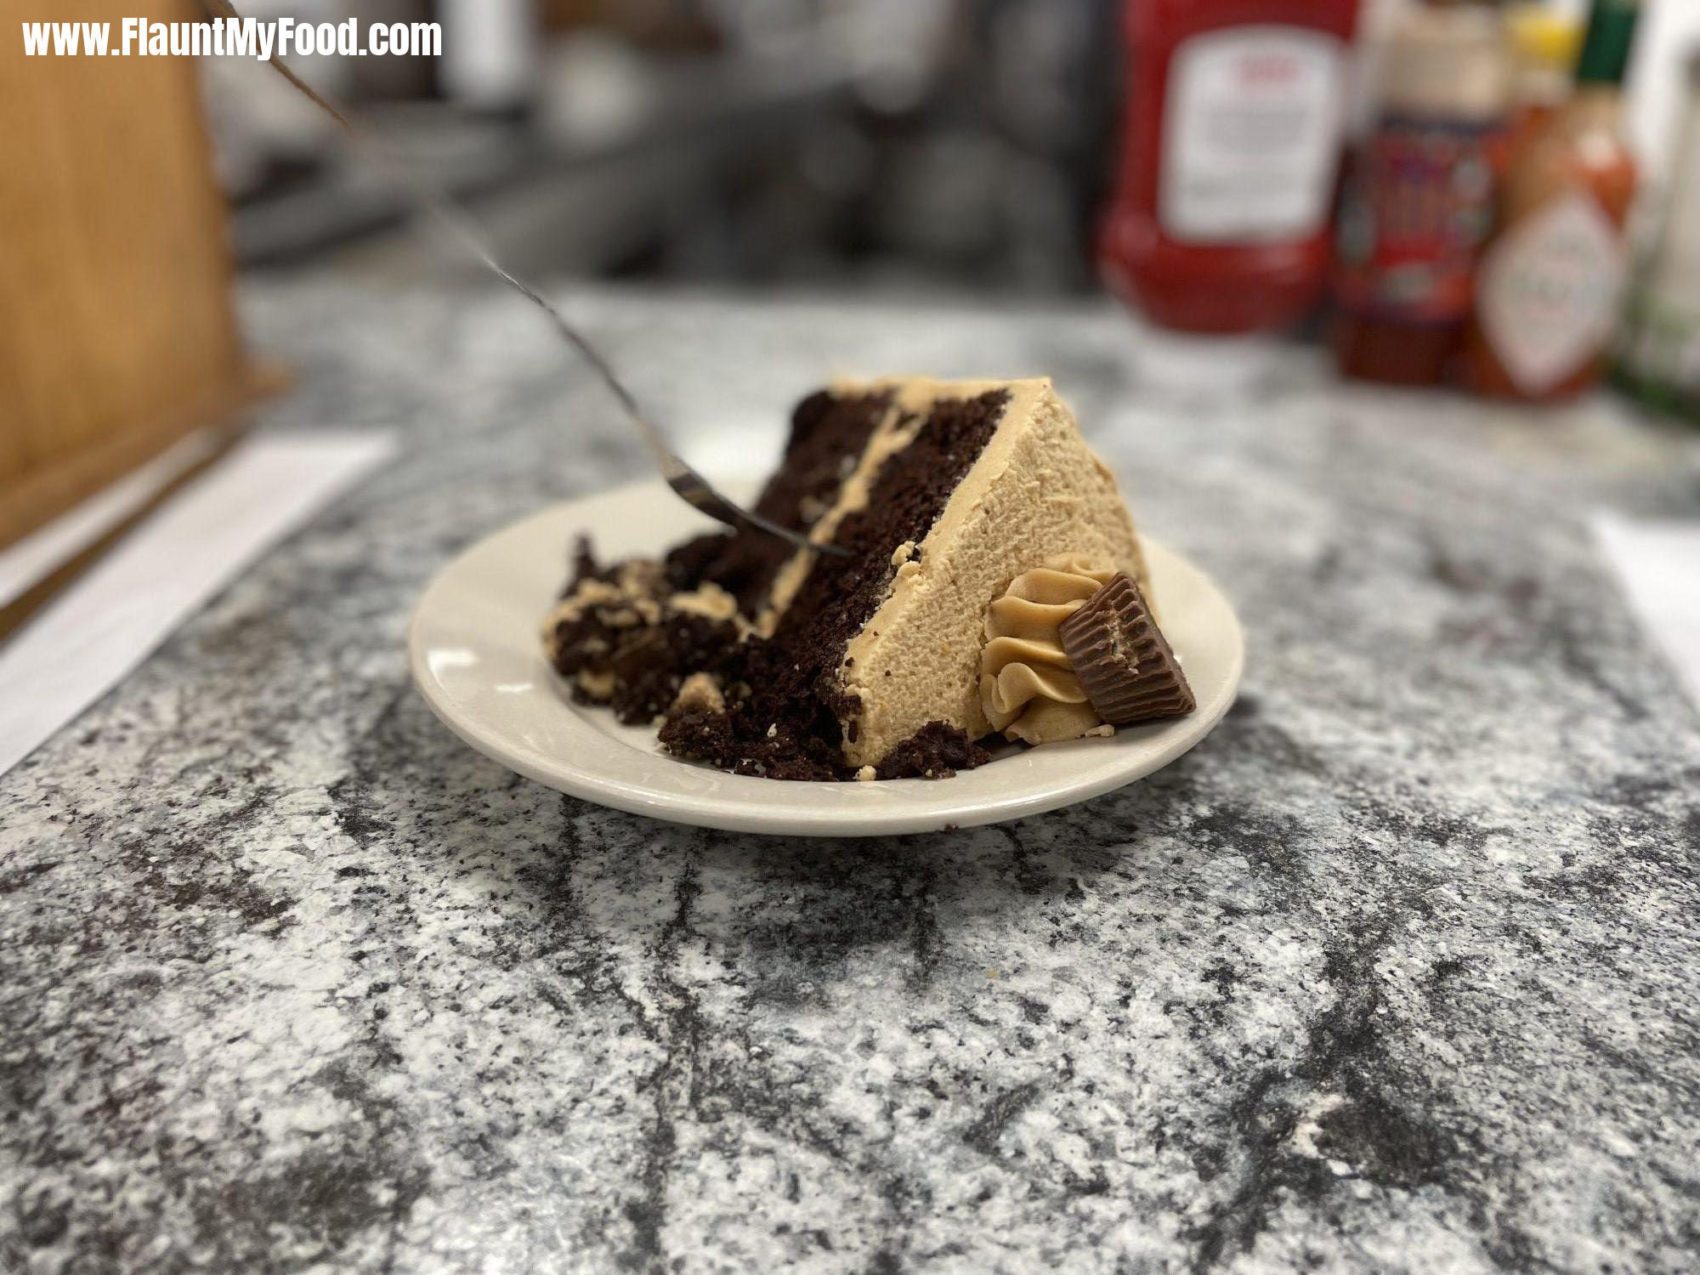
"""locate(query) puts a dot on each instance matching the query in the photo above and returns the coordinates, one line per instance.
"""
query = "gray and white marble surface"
(1398, 971)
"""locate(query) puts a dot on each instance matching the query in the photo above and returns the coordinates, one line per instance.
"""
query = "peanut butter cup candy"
(1121, 658)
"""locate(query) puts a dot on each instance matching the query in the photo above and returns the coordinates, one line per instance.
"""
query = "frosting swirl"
(1027, 686)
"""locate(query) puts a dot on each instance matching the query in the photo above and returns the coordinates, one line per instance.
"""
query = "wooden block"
(117, 332)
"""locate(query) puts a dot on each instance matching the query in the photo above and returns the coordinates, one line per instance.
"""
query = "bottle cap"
(1606, 47)
(1544, 37)
(1447, 63)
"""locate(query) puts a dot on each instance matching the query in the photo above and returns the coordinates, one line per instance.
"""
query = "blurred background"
(963, 143)
(874, 142)
(1481, 201)
(1027, 147)
(1498, 198)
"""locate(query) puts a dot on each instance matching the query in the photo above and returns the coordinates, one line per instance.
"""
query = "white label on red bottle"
(1550, 291)
(1251, 133)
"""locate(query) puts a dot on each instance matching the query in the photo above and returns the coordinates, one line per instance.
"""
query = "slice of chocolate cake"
(867, 664)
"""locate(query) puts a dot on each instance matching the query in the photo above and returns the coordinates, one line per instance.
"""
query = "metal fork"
(686, 483)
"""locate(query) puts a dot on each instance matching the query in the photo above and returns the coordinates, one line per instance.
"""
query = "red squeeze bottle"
(1234, 116)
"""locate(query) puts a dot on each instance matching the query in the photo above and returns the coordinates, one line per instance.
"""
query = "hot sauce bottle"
(1552, 281)
(1544, 44)
(1231, 142)
(1418, 202)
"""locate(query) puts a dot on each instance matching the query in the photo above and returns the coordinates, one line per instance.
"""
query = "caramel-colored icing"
(1036, 490)
(1027, 686)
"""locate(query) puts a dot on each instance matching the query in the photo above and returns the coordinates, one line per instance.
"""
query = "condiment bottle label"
(1418, 206)
(1251, 130)
(1550, 291)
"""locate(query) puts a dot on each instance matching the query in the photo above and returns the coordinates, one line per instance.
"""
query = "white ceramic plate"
(476, 653)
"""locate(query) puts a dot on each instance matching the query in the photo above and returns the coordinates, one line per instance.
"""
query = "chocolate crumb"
(936, 751)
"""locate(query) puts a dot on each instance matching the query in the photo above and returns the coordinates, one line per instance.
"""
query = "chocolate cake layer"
(936, 751)
(784, 707)
(794, 703)
(828, 433)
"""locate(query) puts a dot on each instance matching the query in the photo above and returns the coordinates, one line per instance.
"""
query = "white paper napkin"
(129, 602)
(1659, 565)
(37, 555)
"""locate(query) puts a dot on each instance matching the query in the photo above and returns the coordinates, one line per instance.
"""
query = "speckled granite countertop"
(1399, 971)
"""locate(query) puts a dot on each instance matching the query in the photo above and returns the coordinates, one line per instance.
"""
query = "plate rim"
(721, 813)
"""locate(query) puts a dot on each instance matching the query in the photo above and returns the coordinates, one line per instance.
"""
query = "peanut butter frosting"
(701, 692)
(1027, 686)
(1036, 489)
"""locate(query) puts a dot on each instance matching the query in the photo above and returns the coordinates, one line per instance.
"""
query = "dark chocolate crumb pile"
(642, 663)
(640, 666)
(936, 751)
(720, 739)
